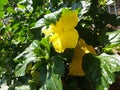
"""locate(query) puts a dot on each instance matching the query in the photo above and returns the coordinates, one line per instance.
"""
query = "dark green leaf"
(100, 70)
(37, 3)
(43, 74)
(52, 83)
(58, 65)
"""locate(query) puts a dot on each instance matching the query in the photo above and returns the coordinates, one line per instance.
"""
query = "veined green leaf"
(31, 54)
(114, 42)
(114, 37)
(58, 65)
(43, 51)
(53, 17)
(23, 87)
(49, 18)
(40, 23)
(52, 83)
(29, 57)
(100, 70)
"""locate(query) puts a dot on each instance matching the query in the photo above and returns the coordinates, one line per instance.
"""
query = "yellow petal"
(75, 67)
(63, 35)
(56, 42)
(69, 20)
(58, 28)
(49, 31)
(69, 38)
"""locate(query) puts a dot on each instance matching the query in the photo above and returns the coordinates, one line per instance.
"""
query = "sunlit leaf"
(3, 2)
(1, 13)
(103, 2)
(100, 70)
(114, 42)
(114, 37)
(53, 17)
(40, 23)
(23, 87)
(29, 57)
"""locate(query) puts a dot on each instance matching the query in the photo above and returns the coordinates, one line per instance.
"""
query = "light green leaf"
(1, 14)
(40, 23)
(20, 69)
(34, 52)
(114, 42)
(114, 37)
(85, 6)
(43, 51)
(10, 10)
(103, 2)
(23, 87)
(53, 17)
(3, 2)
(100, 70)
(29, 57)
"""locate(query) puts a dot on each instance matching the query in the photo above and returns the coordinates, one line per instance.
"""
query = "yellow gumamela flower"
(63, 34)
(75, 67)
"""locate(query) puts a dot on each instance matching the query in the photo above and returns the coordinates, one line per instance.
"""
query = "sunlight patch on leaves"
(101, 70)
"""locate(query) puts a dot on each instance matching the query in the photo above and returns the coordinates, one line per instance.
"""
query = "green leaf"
(49, 18)
(20, 69)
(114, 42)
(21, 6)
(23, 87)
(3, 2)
(36, 49)
(114, 37)
(58, 65)
(29, 57)
(1, 14)
(43, 74)
(53, 17)
(52, 83)
(100, 70)
(40, 23)
(103, 2)
(44, 42)
(85, 6)
(37, 3)
(43, 51)
(10, 9)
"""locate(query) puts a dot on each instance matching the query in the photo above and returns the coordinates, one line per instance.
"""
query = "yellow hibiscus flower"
(75, 67)
(63, 34)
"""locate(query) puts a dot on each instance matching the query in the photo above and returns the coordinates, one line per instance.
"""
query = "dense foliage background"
(29, 62)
